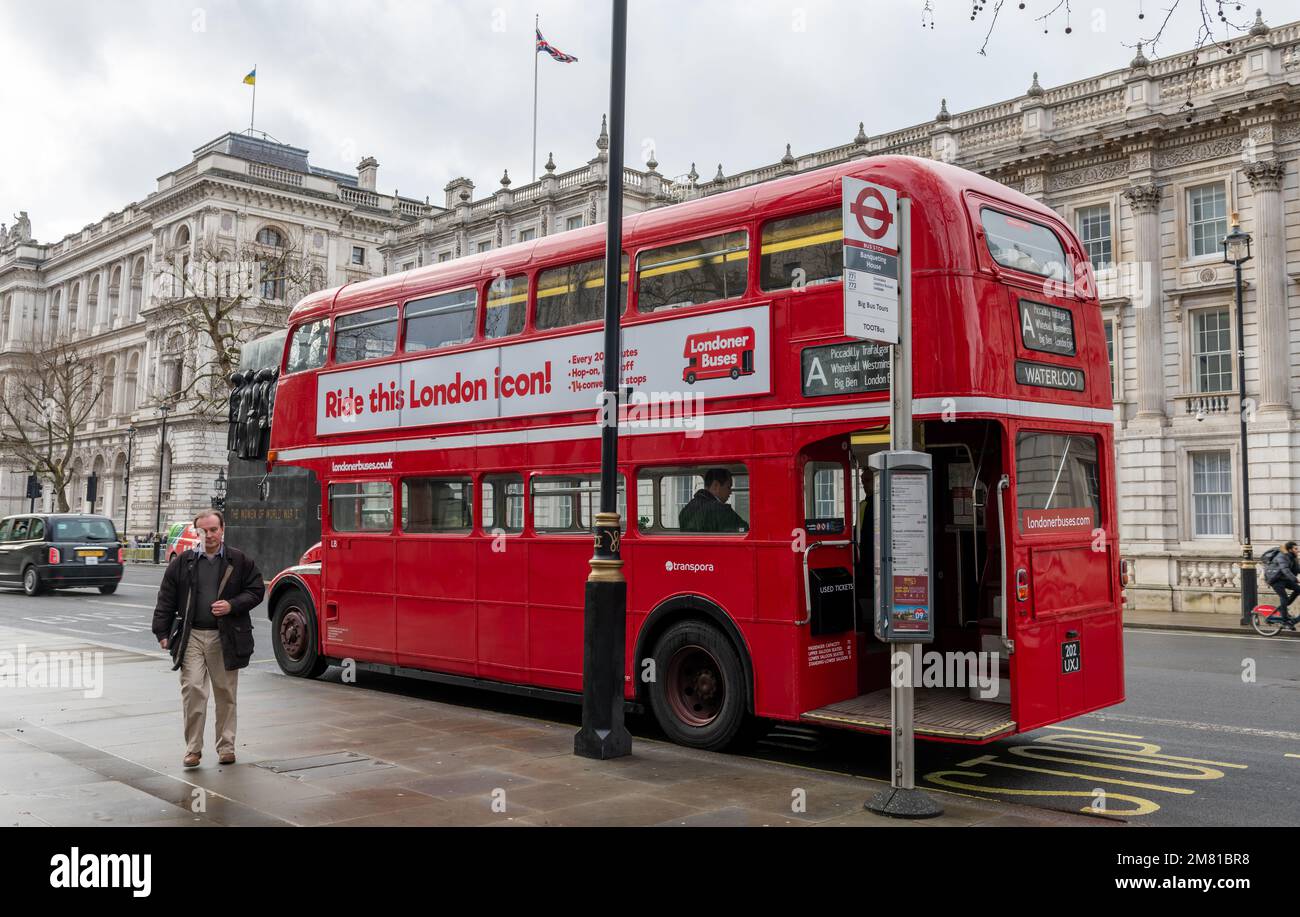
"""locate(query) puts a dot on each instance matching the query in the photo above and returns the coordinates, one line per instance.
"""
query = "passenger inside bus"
(708, 510)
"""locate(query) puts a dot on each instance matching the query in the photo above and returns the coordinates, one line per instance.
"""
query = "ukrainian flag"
(251, 79)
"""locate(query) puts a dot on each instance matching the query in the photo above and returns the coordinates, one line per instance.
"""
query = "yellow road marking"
(1182, 791)
(1046, 754)
(1289, 755)
(1141, 806)
(1147, 751)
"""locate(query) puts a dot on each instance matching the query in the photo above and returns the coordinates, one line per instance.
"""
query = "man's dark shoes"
(191, 760)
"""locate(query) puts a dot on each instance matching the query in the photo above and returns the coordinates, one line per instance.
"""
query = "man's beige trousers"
(203, 663)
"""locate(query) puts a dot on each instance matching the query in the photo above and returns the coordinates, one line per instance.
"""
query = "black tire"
(293, 635)
(108, 589)
(32, 584)
(699, 695)
(690, 378)
(735, 374)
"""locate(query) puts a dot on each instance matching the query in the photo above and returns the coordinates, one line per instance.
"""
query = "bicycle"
(1266, 621)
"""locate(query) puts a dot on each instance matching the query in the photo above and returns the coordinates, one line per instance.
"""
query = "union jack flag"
(544, 45)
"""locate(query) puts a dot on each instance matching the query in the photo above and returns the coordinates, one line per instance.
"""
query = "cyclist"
(1281, 566)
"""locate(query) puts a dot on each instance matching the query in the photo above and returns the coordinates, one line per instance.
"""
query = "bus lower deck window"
(707, 499)
(363, 506)
(437, 505)
(569, 503)
(503, 503)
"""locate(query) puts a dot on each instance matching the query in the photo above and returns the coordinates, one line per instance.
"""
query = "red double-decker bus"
(449, 414)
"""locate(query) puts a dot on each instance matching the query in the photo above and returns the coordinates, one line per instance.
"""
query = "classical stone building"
(1147, 163)
(111, 288)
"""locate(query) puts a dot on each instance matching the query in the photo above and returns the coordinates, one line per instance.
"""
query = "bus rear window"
(1058, 483)
(1024, 246)
(704, 270)
(803, 250)
(365, 335)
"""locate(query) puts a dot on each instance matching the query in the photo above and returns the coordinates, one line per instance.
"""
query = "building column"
(1266, 177)
(1145, 203)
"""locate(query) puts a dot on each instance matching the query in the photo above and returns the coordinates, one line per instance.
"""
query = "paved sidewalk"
(322, 753)
(1188, 620)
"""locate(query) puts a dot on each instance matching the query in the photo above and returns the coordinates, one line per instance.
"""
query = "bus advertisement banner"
(716, 355)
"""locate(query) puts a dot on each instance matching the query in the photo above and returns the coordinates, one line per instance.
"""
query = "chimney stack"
(367, 173)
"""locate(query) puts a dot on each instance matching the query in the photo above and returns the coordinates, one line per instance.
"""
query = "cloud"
(100, 99)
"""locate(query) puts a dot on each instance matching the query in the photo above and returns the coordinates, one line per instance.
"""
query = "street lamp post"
(126, 486)
(157, 516)
(1236, 251)
(219, 485)
(604, 626)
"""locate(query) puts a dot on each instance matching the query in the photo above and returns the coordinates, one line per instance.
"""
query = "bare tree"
(48, 391)
(216, 301)
(1217, 17)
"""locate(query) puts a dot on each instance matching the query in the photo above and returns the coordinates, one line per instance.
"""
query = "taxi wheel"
(698, 694)
(293, 634)
(32, 584)
(108, 589)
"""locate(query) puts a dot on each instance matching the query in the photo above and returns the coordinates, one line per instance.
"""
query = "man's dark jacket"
(706, 513)
(1281, 565)
(174, 614)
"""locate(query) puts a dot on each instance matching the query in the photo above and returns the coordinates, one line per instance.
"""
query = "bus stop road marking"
(1140, 806)
(1145, 751)
(1095, 732)
(1092, 778)
(1195, 771)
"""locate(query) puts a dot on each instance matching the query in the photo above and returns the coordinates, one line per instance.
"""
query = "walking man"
(202, 618)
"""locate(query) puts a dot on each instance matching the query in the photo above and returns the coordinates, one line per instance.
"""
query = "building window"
(269, 237)
(485, 245)
(1110, 359)
(444, 256)
(1094, 233)
(358, 255)
(573, 222)
(527, 235)
(1207, 219)
(1212, 493)
(408, 266)
(1212, 350)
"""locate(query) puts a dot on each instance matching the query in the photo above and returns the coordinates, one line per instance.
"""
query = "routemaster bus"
(449, 413)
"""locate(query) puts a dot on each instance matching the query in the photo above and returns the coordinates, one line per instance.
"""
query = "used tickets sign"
(718, 355)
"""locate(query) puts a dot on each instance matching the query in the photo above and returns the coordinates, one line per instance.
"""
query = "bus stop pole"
(903, 799)
(604, 626)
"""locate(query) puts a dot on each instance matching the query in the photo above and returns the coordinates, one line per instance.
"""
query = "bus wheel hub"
(293, 629)
(695, 689)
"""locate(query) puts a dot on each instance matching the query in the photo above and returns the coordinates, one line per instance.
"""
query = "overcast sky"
(99, 99)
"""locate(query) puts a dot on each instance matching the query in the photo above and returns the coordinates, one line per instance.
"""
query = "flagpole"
(253, 112)
(537, 24)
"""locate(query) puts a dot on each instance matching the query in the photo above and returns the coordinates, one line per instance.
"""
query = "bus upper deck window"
(309, 347)
(440, 320)
(803, 250)
(574, 294)
(366, 335)
(1025, 246)
(507, 301)
(703, 270)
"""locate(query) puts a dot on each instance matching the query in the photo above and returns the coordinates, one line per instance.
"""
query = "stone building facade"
(111, 289)
(1147, 163)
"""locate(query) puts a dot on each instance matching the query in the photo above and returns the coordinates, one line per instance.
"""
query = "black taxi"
(45, 551)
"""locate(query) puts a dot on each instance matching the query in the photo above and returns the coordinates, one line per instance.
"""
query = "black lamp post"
(604, 625)
(1236, 251)
(219, 499)
(157, 516)
(131, 431)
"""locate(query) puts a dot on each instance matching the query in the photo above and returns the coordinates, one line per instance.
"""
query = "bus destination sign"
(838, 369)
(1045, 375)
(1049, 329)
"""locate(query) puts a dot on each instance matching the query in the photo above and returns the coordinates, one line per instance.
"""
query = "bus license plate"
(1071, 660)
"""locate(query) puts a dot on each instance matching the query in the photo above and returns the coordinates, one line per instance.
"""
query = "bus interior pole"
(603, 734)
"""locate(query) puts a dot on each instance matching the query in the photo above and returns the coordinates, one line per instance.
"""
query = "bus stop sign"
(903, 548)
(871, 250)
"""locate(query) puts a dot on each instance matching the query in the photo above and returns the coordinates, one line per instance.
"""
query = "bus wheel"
(735, 373)
(698, 695)
(690, 378)
(293, 633)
